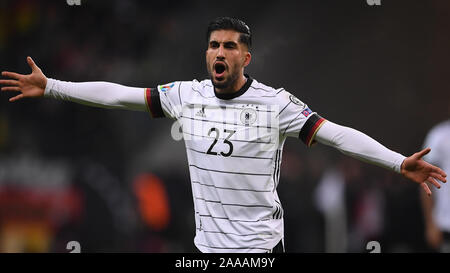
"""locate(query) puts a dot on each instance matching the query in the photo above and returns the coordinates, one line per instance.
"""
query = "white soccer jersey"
(234, 145)
(438, 139)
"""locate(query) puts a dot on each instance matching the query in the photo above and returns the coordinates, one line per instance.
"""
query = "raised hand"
(420, 171)
(31, 85)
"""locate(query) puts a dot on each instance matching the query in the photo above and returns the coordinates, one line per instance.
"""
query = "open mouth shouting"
(219, 70)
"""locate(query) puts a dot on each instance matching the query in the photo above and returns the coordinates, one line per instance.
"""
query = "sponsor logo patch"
(306, 112)
(166, 87)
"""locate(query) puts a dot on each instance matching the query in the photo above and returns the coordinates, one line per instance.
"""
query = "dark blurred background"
(115, 181)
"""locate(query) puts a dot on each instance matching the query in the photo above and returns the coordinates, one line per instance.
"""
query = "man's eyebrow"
(230, 43)
(225, 42)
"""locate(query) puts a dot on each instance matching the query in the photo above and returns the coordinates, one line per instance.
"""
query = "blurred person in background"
(352, 203)
(437, 209)
(329, 198)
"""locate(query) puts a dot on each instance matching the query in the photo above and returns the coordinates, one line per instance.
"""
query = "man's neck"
(240, 88)
(235, 87)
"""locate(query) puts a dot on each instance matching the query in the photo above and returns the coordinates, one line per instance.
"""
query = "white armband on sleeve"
(358, 145)
(99, 94)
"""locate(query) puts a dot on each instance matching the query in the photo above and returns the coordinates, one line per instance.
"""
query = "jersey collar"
(229, 96)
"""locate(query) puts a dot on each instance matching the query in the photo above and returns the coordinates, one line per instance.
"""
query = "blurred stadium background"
(115, 181)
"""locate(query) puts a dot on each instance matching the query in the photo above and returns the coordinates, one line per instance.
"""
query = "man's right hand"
(31, 85)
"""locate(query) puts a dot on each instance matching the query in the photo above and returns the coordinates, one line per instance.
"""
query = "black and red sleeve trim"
(153, 103)
(309, 130)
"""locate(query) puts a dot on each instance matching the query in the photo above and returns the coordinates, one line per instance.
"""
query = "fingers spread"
(438, 176)
(11, 75)
(11, 88)
(9, 82)
(440, 171)
(434, 182)
(425, 187)
(31, 63)
(423, 152)
(18, 97)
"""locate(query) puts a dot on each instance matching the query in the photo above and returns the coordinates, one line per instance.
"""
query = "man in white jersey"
(234, 129)
(437, 210)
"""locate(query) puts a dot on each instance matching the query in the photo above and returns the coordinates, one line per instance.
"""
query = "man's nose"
(220, 53)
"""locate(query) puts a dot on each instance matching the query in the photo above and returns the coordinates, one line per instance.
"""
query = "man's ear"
(248, 58)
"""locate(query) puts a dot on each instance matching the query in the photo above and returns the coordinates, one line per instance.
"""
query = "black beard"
(221, 85)
(225, 84)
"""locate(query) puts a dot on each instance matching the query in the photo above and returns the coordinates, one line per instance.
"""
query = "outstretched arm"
(356, 144)
(99, 94)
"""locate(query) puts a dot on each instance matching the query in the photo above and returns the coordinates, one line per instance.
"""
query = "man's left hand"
(422, 172)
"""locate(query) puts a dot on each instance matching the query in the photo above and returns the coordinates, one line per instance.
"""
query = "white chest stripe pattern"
(234, 150)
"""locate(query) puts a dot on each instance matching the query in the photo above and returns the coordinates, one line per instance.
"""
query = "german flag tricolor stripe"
(153, 103)
(309, 130)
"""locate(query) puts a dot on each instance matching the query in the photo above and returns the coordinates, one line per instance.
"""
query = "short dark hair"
(228, 23)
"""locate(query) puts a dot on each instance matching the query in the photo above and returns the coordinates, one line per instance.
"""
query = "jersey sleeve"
(97, 94)
(166, 100)
(296, 119)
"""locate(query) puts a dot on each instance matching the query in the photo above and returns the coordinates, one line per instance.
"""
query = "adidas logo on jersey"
(201, 113)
